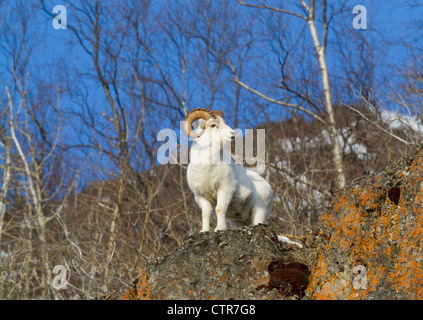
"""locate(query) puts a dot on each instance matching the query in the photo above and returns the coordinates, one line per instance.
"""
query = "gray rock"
(231, 264)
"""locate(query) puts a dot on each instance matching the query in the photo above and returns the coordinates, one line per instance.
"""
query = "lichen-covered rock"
(370, 242)
(222, 265)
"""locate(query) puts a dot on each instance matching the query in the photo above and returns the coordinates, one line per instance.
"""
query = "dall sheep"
(240, 195)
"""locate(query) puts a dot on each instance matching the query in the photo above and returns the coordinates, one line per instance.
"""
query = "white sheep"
(240, 195)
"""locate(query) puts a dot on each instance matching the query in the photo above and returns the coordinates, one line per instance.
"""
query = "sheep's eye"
(213, 125)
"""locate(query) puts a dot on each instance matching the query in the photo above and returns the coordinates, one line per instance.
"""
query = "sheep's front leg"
(206, 209)
(223, 199)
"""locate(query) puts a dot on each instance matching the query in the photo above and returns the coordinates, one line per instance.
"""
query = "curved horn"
(219, 113)
(199, 113)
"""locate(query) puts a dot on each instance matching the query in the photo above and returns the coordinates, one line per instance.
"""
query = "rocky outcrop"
(233, 264)
(247, 263)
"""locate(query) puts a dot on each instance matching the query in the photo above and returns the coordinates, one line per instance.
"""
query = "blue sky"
(387, 21)
(391, 19)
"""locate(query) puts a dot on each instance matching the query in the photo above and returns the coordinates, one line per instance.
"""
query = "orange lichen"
(260, 275)
(141, 290)
(381, 226)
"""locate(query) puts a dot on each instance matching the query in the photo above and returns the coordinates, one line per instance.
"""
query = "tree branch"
(262, 6)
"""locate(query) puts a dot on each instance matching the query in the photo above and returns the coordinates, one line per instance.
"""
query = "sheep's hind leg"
(259, 215)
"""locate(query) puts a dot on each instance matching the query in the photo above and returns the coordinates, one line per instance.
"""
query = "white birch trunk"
(331, 126)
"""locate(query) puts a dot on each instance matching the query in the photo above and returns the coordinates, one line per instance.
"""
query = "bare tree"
(310, 17)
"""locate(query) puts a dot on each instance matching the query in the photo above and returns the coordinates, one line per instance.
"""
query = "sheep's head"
(211, 126)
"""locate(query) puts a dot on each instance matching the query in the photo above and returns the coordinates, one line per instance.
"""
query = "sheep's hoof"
(219, 229)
